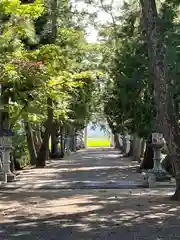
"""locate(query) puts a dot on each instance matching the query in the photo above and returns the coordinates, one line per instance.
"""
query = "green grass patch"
(98, 142)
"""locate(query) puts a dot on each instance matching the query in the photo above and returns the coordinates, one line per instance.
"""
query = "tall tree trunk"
(62, 142)
(124, 141)
(147, 162)
(44, 150)
(167, 165)
(136, 148)
(130, 152)
(143, 145)
(30, 142)
(43, 153)
(54, 142)
(37, 138)
(116, 141)
(16, 164)
(4, 115)
(73, 141)
(12, 165)
(166, 119)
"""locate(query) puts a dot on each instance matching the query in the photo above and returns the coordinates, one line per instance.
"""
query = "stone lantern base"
(7, 177)
(6, 148)
(157, 174)
(160, 173)
(160, 176)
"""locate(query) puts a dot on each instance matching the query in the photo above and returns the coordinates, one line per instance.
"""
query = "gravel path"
(94, 165)
(30, 213)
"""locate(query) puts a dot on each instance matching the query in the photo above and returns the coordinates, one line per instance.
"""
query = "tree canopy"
(53, 81)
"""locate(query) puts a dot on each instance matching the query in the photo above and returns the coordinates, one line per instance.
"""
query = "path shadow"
(87, 166)
(81, 215)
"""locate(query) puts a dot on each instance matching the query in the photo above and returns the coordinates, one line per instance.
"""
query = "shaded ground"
(90, 166)
(86, 214)
(83, 214)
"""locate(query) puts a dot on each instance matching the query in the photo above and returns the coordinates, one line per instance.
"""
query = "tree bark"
(30, 143)
(62, 142)
(54, 142)
(147, 162)
(143, 145)
(4, 115)
(166, 119)
(12, 164)
(167, 165)
(124, 147)
(37, 138)
(130, 153)
(44, 150)
(73, 141)
(116, 141)
(136, 147)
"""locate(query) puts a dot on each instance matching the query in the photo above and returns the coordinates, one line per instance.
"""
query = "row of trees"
(141, 57)
(47, 79)
(50, 81)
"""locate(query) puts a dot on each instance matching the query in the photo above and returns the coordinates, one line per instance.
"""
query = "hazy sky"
(98, 132)
(102, 16)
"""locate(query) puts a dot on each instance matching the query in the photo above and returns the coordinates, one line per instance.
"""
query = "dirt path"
(94, 165)
(86, 214)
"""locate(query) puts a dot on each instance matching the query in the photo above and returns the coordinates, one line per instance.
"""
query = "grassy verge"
(98, 142)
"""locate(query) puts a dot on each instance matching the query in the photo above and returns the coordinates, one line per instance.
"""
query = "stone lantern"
(6, 149)
(5, 142)
(157, 144)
